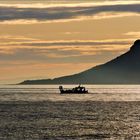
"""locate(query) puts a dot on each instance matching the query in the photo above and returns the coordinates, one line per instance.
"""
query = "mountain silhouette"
(124, 69)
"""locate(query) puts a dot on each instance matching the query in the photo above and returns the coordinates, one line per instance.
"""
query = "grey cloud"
(59, 50)
(62, 55)
(76, 43)
(57, 13)
(70, 43)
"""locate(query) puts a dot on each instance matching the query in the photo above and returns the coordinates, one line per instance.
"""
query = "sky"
(43, 39)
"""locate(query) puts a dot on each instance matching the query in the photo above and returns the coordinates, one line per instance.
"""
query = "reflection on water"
(51, 92)
(70, 120)
(70, 117)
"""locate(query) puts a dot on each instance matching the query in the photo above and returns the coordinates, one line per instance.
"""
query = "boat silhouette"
(76, 90)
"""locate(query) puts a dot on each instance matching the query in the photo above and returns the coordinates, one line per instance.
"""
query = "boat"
(76, 90)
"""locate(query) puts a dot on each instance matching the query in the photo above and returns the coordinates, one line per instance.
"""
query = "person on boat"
(61, 88)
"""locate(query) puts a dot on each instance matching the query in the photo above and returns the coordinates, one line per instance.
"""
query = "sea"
(52, 93)
(40, 112)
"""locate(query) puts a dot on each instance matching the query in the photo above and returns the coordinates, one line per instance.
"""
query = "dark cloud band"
(60, 13)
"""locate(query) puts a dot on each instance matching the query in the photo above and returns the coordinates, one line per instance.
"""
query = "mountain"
(124, 69)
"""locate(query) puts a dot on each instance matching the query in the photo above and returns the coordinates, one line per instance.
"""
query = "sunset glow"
(48, 39)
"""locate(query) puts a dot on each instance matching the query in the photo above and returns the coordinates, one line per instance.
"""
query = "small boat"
(76, 90)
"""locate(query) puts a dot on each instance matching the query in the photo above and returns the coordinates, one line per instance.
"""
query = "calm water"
(51, 93)
(41, 113)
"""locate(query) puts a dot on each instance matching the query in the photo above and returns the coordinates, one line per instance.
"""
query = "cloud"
(67, 4)
(31, 49)
(27, 42)
(58, 50)
(70, 12)
(133, 34)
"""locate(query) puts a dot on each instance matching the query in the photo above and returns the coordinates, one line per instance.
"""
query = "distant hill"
(124, 69)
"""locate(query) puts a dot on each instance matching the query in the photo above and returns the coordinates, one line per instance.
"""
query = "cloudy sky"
(50, 39)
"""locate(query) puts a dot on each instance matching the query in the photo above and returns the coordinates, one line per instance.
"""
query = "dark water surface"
(41, 113)
(69, 120)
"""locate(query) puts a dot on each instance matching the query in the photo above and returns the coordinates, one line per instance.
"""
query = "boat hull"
(71, 92)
